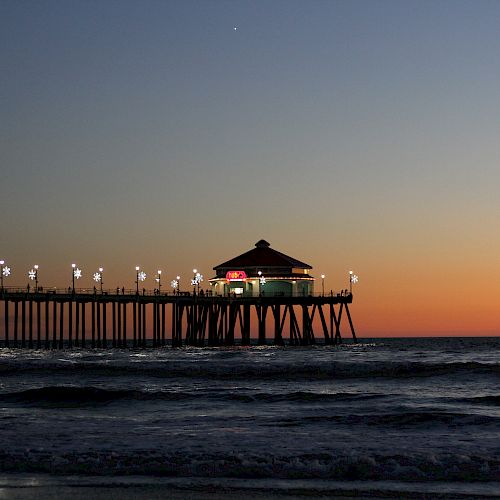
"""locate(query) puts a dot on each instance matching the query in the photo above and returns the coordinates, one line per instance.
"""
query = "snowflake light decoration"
(141, 276)
(198, 278)
(77, 273)
(6, 271)
(174, 284)
(354, 278)
(32, 274)
(262, 280)
(97, 277)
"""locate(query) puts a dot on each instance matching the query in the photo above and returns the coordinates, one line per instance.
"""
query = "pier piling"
(186, 319)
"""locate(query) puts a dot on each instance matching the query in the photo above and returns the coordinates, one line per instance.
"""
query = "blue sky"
(348, 134)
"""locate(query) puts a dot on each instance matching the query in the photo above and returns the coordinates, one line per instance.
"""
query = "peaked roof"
(263, 255)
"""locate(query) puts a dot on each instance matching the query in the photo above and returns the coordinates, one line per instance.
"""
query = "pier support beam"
(6, 320)
(124, 333)
(196, 320)
(261, 314)
(83, 324)
(70, 323)
(23, 324)
(30, 325)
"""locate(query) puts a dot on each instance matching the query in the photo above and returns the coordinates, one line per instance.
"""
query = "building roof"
(264, 256)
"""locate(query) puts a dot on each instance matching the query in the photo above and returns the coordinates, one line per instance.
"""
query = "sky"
(352, 135)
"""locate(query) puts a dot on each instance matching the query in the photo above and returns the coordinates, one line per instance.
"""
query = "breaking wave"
(409, 466)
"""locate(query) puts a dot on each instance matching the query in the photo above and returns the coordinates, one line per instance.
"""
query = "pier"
(57, 319)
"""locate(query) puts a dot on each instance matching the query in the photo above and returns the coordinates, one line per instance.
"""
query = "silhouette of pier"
(73, 318)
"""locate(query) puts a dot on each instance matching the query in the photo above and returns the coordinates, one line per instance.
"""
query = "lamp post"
(352, 279)
(33, 275)
(76, 274)
(262, 281)
(193, 281)
(158, 280)
(322, 284)
(36, 277)
(175, 283)
(197, 279)
(140, 276)
(4, 271)
(98, 277)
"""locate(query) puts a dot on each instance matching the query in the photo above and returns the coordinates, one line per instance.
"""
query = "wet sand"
(19, 487)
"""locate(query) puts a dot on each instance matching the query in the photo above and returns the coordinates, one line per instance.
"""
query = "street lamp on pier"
(322, 284)
(33, 275)
(262, 282)
(197, 279)
(75, 274)
(98, 277)
(352, 279)
(176, 283)
(140, 276)
(4, 271)
(158, 280)
(36, 277)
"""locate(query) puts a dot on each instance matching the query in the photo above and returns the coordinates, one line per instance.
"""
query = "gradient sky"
(358, 135)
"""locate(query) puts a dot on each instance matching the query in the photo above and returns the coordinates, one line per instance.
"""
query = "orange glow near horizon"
(426, 299)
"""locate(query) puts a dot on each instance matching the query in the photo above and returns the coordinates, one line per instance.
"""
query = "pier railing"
(157, 293)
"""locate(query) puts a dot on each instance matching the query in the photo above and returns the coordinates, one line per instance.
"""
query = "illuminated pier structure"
(259, 292)
(57, 320)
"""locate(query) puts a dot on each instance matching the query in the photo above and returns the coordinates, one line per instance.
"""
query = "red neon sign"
(236, 276)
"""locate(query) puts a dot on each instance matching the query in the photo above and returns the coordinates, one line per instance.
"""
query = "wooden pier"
(65, 319)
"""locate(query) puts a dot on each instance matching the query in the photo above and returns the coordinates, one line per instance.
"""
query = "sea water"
(384, 416)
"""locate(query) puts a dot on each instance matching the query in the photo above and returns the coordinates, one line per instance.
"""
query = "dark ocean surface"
(385, 417)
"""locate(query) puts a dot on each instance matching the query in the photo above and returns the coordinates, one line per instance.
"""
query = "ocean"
(385, 418)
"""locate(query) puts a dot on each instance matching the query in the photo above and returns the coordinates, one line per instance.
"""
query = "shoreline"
(36, 486)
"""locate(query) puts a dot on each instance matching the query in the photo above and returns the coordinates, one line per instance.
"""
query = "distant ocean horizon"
(386, 417)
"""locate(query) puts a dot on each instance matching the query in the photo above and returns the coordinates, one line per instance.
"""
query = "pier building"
(263, 271)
